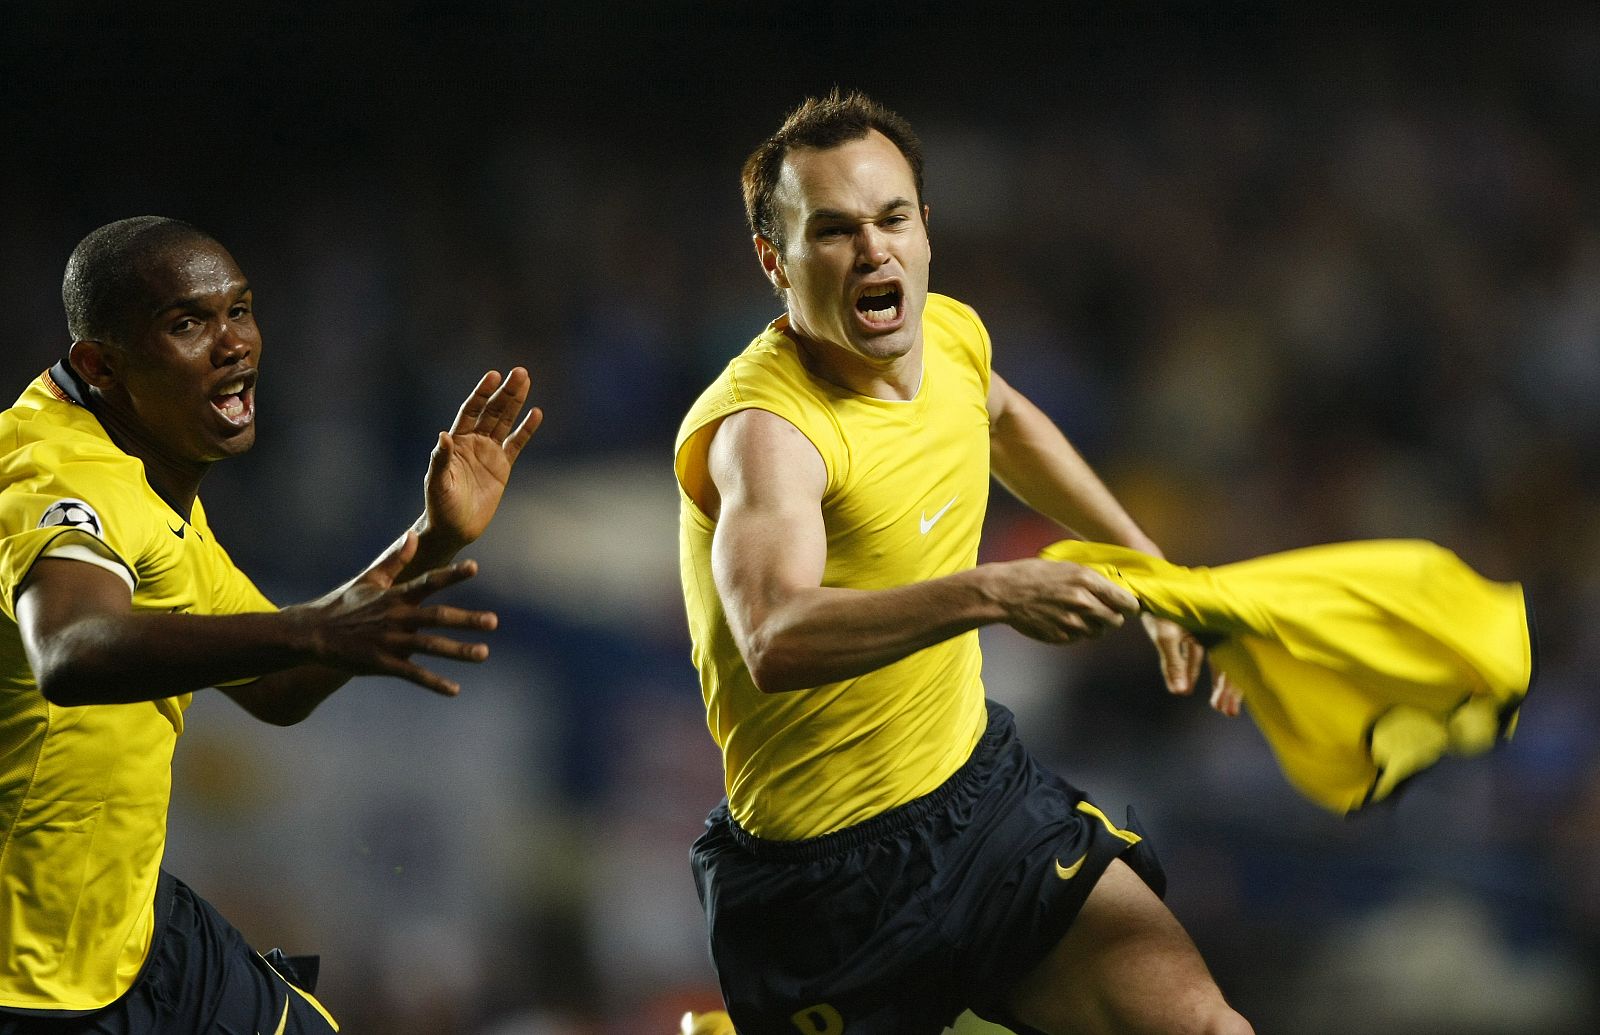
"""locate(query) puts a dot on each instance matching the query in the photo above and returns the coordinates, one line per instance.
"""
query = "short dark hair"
(103, 278)
(818, 124)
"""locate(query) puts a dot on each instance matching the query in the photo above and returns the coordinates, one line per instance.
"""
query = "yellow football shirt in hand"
(1362, 663)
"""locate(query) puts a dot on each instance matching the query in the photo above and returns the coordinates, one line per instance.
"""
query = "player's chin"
(887, 346)
(236, 442)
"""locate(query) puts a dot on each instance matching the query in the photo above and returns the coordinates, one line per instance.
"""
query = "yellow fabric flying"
(1362, 663)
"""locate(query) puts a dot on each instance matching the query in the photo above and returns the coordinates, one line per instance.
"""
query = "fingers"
(435, 579)
(1059, 602)
(473, 408)
(401, 646)
(524, 432)
(1107, 595)
(1175, 665)
(1093, 603)
(1181, 654)
(414, 673)
(393, 561)
(1225, 697)
(1096, 614)
(1081, 615)
(1195, 654)
(493, 406)
(506, 403)
(395, 660)
(374, 625)
(445, 617)
(439, 646)
(1101, 604)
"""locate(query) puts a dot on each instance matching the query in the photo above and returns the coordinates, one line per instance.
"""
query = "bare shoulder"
(758, 429)
(758, 452)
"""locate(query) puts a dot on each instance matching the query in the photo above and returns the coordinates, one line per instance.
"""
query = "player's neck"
(896, 378)
(178, 486)
(176, 481)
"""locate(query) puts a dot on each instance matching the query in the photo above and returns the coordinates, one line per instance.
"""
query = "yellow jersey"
(84, 790)
(907, 488)
(1362, 663)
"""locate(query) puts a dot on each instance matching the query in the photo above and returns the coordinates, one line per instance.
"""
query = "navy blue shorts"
(200, 976)
(899, 923)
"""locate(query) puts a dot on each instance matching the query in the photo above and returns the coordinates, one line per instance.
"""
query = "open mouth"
(880, 304)
(235, 401)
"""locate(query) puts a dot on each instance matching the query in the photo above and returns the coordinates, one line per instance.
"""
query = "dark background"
(1285, 274)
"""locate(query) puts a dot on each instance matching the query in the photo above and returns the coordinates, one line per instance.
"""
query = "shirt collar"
(70, 385)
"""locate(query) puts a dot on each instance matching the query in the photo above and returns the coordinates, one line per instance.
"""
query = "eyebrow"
(194, 301)
(822, 214)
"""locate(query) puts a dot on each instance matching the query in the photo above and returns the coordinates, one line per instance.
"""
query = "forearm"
(1035, 462)
(123, 658)
(824, 634)
(769, 559)
(435, 548)
(285, 697)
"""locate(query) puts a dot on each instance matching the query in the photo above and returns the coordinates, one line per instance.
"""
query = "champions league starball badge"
(73, 514)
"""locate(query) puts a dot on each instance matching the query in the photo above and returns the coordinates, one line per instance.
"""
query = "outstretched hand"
(1181, 658)
(469, 468)
(374, 624)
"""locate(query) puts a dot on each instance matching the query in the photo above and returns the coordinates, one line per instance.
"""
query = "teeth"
(880, 315)
(875, 292)
(232, 387)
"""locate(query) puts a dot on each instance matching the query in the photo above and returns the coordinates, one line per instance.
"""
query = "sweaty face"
(855, 257)
(189, 364)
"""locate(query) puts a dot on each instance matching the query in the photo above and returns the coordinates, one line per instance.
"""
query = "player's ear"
(93, 361)
(771, 260)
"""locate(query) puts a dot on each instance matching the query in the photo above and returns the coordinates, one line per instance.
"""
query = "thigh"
(823, 947)
(1124, 966)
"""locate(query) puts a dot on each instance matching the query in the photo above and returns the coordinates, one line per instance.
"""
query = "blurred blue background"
(1286, 275)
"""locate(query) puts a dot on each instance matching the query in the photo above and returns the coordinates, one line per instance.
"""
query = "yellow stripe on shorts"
(1116, 831)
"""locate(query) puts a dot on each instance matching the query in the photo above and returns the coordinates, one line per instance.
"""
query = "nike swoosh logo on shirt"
(1069, 872)
(176, 531)
(925, 522)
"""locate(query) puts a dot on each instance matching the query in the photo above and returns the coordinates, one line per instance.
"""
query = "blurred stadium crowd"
(1283, 282)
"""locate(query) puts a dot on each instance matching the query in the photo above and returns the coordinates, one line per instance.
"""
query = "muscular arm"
(768, 555)
(86, 645)
(1033, 459)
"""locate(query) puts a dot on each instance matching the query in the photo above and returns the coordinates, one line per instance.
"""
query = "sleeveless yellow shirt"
(84, 790)
(907, 487)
